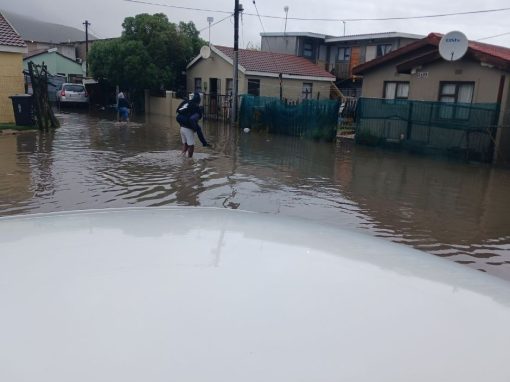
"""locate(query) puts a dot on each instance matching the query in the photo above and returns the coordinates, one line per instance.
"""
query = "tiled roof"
(491, 50)
(494, 54)
(267, 62)
(8, 36)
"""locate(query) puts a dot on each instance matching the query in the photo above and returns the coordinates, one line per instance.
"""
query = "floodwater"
(460, 211)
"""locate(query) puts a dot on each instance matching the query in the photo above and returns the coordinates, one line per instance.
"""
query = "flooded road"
(451, 209)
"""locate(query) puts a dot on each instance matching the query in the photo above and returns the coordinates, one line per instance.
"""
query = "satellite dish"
(453, 46)
(205, 52)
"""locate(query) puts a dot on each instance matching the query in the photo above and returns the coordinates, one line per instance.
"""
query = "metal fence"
(461, 130)
(217, 106)
(309, 118)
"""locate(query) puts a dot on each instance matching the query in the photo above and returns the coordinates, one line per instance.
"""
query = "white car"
(72, 93)
(197, 294)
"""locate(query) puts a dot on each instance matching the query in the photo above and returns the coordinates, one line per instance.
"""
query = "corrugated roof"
(8, 36)
(267, 62)
(36, 30)
(374, 36)
(294, 34)
(53, 51)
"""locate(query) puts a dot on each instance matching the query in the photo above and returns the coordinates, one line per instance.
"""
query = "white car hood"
(191, 294)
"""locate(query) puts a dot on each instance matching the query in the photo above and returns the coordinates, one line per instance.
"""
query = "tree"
(152, 53)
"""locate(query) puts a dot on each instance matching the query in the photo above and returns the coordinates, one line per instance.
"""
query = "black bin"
(23, 109)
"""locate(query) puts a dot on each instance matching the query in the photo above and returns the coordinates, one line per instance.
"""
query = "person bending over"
(188, 115)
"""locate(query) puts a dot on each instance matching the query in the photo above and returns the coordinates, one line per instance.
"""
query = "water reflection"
(450, 209)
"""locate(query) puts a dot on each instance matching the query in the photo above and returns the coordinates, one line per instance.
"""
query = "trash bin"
(23, 109)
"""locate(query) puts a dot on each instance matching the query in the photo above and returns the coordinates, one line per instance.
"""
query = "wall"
(67, 50)
(280, 44)
(164, 106)
(366, 49)
(486, 80)
(373, 82)
(292, 89)
(213, 67)
(427, 88)
(11, 83)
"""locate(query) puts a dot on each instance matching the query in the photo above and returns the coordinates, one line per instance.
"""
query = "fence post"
(409, 121)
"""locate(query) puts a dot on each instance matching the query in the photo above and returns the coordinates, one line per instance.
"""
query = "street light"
(286, 9)
(210, 20)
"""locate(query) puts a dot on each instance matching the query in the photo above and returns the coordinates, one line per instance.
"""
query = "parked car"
(72, 93)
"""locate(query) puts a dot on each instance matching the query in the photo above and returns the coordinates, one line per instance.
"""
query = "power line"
(432, 16)
(177, 6)
(495, 10)
(270, 51)
(496, 35)
(94, 32)
(216, 23)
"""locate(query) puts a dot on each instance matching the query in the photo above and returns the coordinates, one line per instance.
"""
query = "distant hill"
(32, 29)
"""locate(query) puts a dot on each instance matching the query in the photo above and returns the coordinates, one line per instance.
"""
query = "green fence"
(455, 129)
(310, 118)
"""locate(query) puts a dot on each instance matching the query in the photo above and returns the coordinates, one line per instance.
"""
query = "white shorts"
(187, 136)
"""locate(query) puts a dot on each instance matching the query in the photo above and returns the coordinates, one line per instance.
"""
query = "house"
(337, 55)
(56, 62)
(458, 90)
(259, 75)
(12, 48)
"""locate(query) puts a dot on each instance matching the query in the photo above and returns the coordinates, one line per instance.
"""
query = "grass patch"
(12, 126)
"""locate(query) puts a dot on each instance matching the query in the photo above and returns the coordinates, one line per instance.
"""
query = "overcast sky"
(106, 16)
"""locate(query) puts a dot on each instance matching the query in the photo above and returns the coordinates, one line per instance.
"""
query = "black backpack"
(184, 108)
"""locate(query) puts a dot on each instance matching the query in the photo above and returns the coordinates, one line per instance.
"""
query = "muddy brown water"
(456, 210)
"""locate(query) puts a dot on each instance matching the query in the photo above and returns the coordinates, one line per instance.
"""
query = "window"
(458, 93)
(229, 86)
(344, 54)
(307, 50)
(74, 88)
(307, 90)
(254, 87)
(396, 90)
(383, 49)
(198, 84)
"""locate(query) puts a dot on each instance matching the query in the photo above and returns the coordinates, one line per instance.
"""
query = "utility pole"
(86, 23)
(281, 85)
(235, 84)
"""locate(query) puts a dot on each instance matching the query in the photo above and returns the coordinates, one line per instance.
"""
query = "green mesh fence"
(315, 119)
(456, 129)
